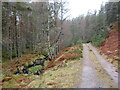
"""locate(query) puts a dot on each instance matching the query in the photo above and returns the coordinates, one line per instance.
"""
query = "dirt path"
(110, 69)
(96, 72)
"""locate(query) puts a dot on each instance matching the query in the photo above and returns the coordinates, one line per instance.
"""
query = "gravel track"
(96, 71)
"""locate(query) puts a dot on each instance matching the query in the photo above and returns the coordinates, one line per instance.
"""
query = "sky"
(78, 7)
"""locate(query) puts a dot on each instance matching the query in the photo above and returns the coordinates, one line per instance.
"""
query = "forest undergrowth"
(65, 65)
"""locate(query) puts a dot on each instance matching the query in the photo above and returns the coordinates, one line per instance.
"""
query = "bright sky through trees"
(78, 7)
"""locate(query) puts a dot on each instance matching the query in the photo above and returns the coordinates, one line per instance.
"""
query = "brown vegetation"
(69, 53)
(111, 46)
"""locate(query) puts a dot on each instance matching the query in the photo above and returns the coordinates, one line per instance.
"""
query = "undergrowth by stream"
(37, 72)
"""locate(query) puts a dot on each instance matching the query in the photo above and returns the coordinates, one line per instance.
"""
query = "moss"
(45, 52)
(13, 54)
(26, 64)
(4, 74)
(77, 51)
(42, 56)
(35, 69)
(46, 63)
(5, 84)
(32, 59)
(31, 63)
(73, 57)
(10, 84)
(4, 54)
(39, 87)
(64, 77)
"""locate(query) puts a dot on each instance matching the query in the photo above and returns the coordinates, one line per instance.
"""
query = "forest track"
(96, 71)
(110, 69)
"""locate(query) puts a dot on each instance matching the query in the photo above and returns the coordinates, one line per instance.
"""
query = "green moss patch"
(35, 69)
(20, 81)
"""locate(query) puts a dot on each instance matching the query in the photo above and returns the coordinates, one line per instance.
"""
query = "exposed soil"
(111, 46)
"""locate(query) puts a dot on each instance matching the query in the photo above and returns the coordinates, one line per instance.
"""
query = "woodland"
(37, 34)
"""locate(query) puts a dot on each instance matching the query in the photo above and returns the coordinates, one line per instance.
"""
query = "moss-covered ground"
(62, 72)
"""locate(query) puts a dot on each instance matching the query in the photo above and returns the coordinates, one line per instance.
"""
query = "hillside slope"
(111, 46)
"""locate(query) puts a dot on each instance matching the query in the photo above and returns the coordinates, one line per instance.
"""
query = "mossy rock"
(38, 57)
(33, 60)
(45, 52)
(35, 69)
(31, 63)
(26, 64)
(42, 57)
